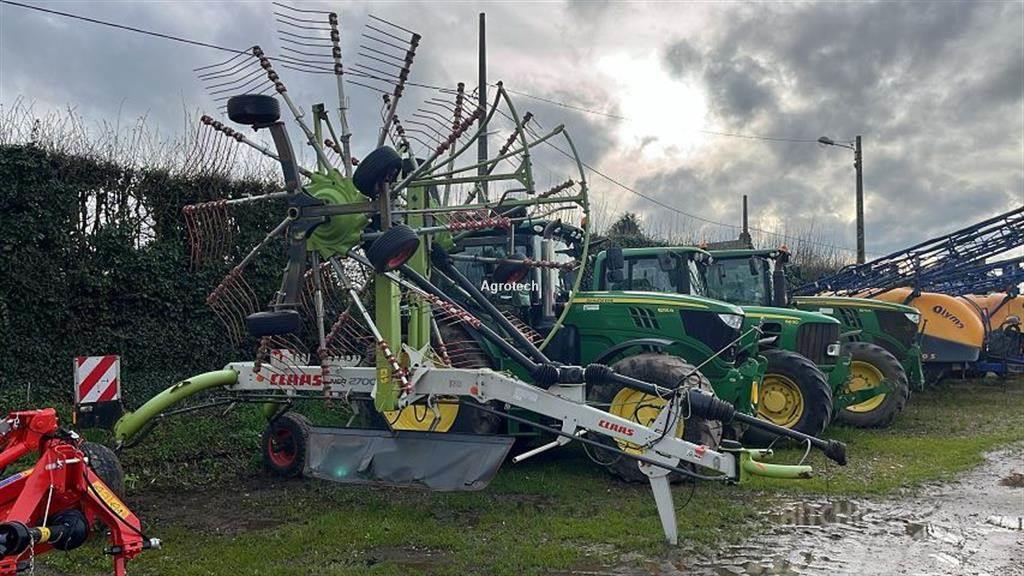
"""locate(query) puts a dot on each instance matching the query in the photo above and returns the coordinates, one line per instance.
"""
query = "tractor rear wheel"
(284, 445)
(105, 464)
(794, 394)
(663, 370)
(871, 365)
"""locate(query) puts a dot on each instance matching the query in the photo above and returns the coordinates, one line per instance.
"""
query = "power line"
(679, 211)
(123, 27)
(174, 38)
(421, 85)
(627, 119)
(416, 84)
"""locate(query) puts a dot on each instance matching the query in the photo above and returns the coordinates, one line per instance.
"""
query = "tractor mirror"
(615, 276)
(755, 266)
(613, 259)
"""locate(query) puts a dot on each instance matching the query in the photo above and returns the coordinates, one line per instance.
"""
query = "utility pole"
(745, 234)
(858, 164)
(481, 143)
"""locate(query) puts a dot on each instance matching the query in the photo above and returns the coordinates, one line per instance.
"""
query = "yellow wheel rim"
(864, 376)
(638, 407)
(423, 418)
(780, 401)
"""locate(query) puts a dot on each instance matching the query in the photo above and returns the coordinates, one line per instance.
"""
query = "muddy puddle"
(970, 527)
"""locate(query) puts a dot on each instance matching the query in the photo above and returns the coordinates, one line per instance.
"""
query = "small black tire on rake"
(393, 248)
(284, 443)
(254, 109)
(383, 164)
(105, 464)
(508, 272)
(273, 323)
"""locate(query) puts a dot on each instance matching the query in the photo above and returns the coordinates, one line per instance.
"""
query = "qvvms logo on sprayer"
(941, 311)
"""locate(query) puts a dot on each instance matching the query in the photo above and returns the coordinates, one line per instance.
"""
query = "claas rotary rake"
(359, 316)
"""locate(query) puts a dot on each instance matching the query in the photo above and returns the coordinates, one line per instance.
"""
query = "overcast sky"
(936, 90)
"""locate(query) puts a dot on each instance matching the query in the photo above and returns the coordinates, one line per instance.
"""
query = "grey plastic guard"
(432, 460)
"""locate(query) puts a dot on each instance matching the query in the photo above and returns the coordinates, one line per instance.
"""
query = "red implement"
(55, 504)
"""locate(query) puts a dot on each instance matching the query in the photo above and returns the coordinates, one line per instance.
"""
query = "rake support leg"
(663, 500)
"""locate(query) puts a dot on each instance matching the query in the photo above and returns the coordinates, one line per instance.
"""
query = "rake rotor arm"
(443, 262)
(420, 283)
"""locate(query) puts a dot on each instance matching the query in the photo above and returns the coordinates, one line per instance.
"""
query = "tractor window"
(733, 280)
(645, 274)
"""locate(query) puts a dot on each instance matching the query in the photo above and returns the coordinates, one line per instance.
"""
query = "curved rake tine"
(296, 111)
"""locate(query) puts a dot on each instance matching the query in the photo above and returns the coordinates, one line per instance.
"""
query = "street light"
(858, 164)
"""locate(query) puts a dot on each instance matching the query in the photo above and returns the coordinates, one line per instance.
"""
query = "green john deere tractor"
(880, 337)
(804, 366)
(669, 338)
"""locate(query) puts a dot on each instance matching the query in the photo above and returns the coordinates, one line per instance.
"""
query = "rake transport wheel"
(794, 394)
(393, 248)
(871, 365)
(381, 165)
(663, 370)
(284, 443)
(105, 464)
(250, 109)
(450, 416)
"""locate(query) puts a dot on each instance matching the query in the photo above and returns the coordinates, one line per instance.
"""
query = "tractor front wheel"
(284, 445)
(870, 366)
(794, 394)
(663, 370)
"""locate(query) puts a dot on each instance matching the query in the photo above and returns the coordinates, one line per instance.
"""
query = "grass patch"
(554, 512)
(941, 433)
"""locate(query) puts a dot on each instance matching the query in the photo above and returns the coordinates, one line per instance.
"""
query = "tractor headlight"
(733, 321)
(913, 317)
(832, 350)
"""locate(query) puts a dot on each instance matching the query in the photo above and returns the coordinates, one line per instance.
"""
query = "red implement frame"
(61, 480)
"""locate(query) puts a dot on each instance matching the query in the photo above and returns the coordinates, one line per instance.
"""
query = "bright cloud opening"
(663, 114)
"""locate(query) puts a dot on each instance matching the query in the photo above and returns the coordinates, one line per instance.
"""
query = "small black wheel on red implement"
(510, 272)
(254, 109)
(284, 444)
(104, 463)
(381, 165)
(393, 248)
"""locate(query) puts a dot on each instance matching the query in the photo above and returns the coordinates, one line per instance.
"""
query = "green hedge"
(94, 259)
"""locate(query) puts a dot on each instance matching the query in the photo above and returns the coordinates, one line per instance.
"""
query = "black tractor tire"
(890, 369)
(663, 370)
(105, 464)
(284, 443)
(393, 248)
(254, 109)
(794, 370)
(468, 420)
(383, 164)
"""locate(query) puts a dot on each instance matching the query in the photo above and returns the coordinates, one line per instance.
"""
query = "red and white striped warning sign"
(97, 379)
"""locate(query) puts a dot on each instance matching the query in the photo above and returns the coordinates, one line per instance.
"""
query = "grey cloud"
(936, 89)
